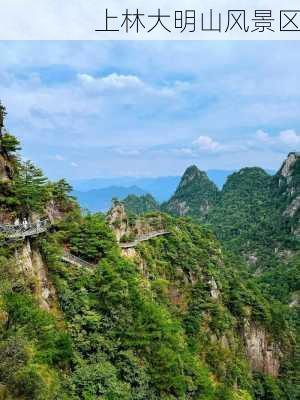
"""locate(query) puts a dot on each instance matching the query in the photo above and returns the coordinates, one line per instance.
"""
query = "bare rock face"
(143, 226)
(5, 170)
(32, 265)
(179, 207)
(130, 252)
(53, 213)
(214, 290)
(288, 174)
(264, 356)
(286, 169)
(117, 219)
(289, 187)
(293, 207)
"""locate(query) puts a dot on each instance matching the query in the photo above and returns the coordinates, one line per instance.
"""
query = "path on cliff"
(143, 238)
(21, 231)
(78, 262)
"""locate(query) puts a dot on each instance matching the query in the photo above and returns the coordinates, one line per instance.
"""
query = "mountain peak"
(192, 173)
(247, 179)
(195, 194)
(288, 165)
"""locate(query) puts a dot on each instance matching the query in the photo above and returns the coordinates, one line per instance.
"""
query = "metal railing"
(23, 230)
(143, 238)
(78, 262)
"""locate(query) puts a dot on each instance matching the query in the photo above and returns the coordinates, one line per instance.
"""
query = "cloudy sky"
(104, 109)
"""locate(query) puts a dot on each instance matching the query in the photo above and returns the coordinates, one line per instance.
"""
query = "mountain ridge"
(170, 319)
(178, 316)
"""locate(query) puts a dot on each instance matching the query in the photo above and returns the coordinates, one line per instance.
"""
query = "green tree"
(9, 144)
(30, 188)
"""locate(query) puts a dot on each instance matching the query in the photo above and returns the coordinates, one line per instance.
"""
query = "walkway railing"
(73, 260)
(23, 230)
(143, 238)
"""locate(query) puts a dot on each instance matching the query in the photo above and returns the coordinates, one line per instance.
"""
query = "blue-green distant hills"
(100, 199)
(96, 194)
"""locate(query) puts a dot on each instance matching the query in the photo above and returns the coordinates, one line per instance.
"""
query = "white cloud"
(285, 138)
(207, 143)
(132, 84)
(74, 164)
(128, 152)
(55, 93)
(112, 81)
(263, 136)
(289, 137)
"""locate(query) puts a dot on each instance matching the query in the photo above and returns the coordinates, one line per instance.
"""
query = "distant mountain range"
(96, 194)
(100, 199)
(161, 188)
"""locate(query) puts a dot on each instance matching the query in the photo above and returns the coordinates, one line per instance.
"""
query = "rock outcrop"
(263, 354)
(287, 181)
(53, 213)
(286, 170)
(5, 169)
(32, 265)
(117, 219)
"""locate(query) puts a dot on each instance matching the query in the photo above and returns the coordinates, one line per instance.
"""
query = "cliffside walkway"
(73, 260)
(76, 261)
(143, 238)
(16, 232)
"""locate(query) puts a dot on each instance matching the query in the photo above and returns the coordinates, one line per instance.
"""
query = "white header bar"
(150, 20)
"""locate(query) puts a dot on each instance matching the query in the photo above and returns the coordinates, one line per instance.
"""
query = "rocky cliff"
(287, 189)
(117, 219)
(5, 169)
(30, 263)
(261, 350)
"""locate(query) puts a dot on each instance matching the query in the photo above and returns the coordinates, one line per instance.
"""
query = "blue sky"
(104, 109)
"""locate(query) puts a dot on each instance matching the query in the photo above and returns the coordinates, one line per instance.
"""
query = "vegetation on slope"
(245, 218)
(138, 205)
(255, 215)
(149, 335)
(169, 324)
(195, 195)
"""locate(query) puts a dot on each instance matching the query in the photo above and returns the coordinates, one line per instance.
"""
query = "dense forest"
(180, 316)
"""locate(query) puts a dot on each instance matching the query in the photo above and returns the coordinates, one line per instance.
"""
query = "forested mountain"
(255, 214)
(195, 195)
(140, 204)
(173, 317)
(161, 187)
(245, 218)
